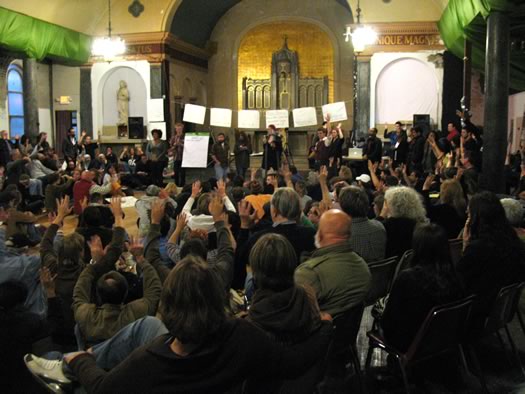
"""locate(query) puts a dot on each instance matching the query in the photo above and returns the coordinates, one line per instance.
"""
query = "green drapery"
(466, 19)
(39, 39)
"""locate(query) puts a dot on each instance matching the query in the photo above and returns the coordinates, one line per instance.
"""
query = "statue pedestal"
(122, 131)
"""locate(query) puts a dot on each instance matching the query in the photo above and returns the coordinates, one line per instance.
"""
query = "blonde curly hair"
(405, 202)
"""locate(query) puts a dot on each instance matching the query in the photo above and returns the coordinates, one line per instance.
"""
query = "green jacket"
(98, 323)
(339, 276)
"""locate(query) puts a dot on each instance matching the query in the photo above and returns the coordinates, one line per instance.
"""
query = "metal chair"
(456, 250)
(443, 330)
(382, 275)
(343, 351)
(501, 313)
(403, 264)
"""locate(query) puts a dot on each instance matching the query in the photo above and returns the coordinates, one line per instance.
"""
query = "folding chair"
(382, 275)
(443, 330)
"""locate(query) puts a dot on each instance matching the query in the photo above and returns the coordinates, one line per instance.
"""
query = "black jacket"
(373, 149)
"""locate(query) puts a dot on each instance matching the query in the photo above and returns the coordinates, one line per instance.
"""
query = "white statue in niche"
(123, 103)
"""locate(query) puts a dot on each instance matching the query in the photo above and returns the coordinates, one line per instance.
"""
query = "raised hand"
(157, 210)
(196, 189)
(221, 188)
(96, 248)
(216, 208)
(116, 208)
(182, 221)
(136, 248)
(428, 182)
(323, 174)
(84, 203)
(247, 218)
(63, 209)
(48, 281)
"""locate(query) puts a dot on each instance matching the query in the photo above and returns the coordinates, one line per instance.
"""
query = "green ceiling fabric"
(466, 19)
(39, 39)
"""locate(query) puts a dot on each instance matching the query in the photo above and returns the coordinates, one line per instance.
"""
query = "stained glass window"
(15, 100)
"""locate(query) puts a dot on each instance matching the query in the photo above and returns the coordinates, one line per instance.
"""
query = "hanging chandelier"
(361, 35)
(108, 47)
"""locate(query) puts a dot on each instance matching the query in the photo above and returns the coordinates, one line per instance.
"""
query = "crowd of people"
(234, 282)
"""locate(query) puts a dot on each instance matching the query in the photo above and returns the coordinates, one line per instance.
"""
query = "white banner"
(221, 117)
(194, 113)
(195, 154)
(156, 110)
(337, 111)
(279, 118)
(248, 119)
(304, 117)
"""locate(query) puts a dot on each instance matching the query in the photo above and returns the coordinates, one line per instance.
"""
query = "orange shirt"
(258, 201)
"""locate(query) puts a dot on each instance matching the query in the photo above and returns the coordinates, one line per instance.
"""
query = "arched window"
(15, 100)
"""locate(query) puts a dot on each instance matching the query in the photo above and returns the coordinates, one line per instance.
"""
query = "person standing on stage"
(219, 153)
(273, 149)
(177, 145)
(242, 150)
(321, 150)
(157, 151)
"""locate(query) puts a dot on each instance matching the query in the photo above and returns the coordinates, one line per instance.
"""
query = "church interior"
(230, 138)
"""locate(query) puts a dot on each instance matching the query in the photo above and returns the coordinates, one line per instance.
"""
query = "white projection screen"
(405, 87)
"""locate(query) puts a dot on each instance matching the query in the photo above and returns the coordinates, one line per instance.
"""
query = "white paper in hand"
(304, 117)
(337, 111)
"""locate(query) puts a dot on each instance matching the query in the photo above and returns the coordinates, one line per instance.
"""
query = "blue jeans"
(114, 350)
(220, 171)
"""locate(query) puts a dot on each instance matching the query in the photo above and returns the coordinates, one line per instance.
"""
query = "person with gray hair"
(514, 212)
(285, 209)
(402, 210)
(368, 238)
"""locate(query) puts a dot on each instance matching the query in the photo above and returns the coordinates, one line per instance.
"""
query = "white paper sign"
(159, 126)
(337, 111)
(221, 117)
(279, 118)
(194, 113)
(248, 119)
(156, 110)
(195, 154)
(304, 117)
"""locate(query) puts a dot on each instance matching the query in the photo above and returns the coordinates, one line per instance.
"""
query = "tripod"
(288, 155)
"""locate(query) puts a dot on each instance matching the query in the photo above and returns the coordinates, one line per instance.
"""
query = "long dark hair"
(489, 223)
(431, 249)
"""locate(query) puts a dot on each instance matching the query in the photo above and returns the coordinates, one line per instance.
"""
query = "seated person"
(493, 255)
(197, 349)
(21, 230)
(143, 206)
(95, 325)
(84, 187)
(200, 218)
(430, 281)
(339, 276)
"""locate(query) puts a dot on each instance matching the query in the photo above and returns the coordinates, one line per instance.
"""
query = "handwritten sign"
(221, 117)
(195, 154)
(337, 111)
(304, 117)
(248, 119)
(279, 118)
(194, 113)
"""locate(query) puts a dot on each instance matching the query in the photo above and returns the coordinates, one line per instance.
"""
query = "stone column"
(31, 125)
(497, 59)
(86, 104)
(363, 96)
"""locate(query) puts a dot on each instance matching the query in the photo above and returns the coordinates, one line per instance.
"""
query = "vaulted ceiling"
(192, 20)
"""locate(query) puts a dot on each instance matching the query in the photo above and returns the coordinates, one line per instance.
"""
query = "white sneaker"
(49, 370)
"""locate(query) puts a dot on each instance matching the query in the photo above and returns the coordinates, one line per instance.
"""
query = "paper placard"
(304, 117)
(337, 111)
(279, 118)
(248, 119)
(194, 113)
(156, 110)
(221, 117)
(195, 154)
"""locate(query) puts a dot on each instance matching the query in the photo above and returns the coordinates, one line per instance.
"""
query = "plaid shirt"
(368, 239)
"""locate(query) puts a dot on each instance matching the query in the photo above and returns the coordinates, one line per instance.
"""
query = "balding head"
(334, 228)
(87, 176)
